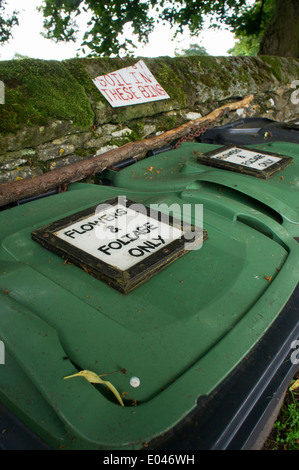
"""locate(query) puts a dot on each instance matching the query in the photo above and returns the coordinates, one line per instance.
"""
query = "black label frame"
(122, 280)
(206, 159)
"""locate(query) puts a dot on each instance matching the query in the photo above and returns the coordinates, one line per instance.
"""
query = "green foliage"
(6, 23)
(193, 49)
(250, 26)
(106, 30)
(109, 19)
(18, 56)
(287, 428)
(285, 433)
(246, 45)
(253, 20)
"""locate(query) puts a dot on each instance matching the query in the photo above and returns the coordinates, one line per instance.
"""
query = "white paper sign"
(248, 158)
(130, 85)
(120, 236)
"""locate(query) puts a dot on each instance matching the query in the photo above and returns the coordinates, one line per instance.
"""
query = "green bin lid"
(166, 343)
(189, 168)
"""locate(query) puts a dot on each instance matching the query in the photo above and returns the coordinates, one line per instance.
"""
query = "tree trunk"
(282, 34)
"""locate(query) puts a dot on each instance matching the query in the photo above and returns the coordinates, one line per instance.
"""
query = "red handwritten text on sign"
(130, 85)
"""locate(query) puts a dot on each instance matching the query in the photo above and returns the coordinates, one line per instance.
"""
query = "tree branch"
(14, 191)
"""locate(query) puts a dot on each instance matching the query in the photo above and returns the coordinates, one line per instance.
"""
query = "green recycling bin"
(178, 310)
(263, 177)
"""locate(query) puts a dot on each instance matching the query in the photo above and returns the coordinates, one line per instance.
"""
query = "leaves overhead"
(110, 25)
(6, 22)
(110, 20)
(107, 22)
(250, 27)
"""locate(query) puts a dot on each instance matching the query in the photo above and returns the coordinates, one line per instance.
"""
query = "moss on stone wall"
(37, 91)
(50, 100)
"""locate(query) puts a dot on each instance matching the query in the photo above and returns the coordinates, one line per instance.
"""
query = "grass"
(285, 433)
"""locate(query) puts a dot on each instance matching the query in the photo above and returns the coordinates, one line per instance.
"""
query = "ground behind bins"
(282, 432)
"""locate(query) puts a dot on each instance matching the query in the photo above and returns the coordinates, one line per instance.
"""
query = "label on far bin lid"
(252, 162)
(120, 242)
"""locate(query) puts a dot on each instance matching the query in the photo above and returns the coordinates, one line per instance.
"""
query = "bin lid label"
(121, 242)
(243, 160)
(119, 236)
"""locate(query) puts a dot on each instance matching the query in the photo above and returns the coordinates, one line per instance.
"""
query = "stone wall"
(53, 114)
